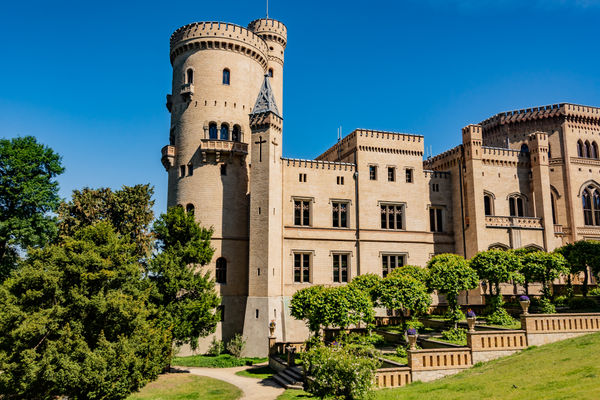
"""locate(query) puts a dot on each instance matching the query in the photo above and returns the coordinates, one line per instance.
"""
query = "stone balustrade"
(556, 323)
(496, 340)
(393, 377)
(493, 221)
(430, 359)
(223, 146)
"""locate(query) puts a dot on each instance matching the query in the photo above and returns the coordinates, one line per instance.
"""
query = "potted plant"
(412, 338)
(471, 318)
(272, 325)
(524, 300)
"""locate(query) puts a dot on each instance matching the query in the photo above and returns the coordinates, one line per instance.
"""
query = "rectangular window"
(435, 219)
(301, 177)
(301, 267)
(409, 175)
(340, 214)
(182, 171)
(340, 268)
(435, 187)
(391, 174)
(340, 180)
(223, 169)
(190, 169)
(302, 212)
(373, 172)
(391, 261)
(392, 216)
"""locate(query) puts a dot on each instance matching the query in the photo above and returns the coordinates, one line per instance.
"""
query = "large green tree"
(579, 256)
(401, 291)
(76, 321)
(451, 274)
(184, 292)
(543, 267)
(28, 196)
(370, 284)
(129, 211)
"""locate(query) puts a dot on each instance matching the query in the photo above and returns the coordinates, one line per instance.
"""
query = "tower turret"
(274, 33)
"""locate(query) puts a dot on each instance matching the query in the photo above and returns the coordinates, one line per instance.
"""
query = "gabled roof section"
(265, 101)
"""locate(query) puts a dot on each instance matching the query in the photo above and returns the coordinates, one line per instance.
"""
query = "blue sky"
(90, 78)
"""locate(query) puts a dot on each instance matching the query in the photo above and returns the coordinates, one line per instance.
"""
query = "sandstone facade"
(369, 203)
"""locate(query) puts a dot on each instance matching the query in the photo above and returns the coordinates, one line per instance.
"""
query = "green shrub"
(455, 335)
(594, 292)
(414, 323)
(546, 306)
(561, 301)
(339, 371)
(454, 314)
(401, 351)
(372, 339)
(235, 346)
(216, 347)
(582, 303)
(500, 317)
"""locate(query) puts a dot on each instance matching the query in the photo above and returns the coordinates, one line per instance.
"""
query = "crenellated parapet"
(445, 160)
(270, 29)
(218, 36)
(317, 164)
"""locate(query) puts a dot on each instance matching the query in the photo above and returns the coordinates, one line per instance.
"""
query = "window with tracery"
(591, 205)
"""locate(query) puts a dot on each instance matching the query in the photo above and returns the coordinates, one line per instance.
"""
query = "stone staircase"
(290, 378)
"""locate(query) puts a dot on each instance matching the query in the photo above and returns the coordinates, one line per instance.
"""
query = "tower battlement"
(270, 29)
(219, 36)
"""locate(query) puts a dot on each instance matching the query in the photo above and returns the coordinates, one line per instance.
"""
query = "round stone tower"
(218, 70)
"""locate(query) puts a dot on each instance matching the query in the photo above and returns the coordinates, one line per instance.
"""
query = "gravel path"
(254, 389)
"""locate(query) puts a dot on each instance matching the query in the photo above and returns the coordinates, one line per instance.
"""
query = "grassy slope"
(221, 361)
(187, 387)
(568, 369)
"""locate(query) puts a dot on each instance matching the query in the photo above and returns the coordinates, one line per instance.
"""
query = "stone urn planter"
(524, 301)
(272, 325)
(471, 319)
(412, 338)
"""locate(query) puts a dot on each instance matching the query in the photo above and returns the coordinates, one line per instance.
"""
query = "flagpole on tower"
(267, 9)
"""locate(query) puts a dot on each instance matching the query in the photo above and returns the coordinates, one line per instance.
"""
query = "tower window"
(236, 134)
(302, 212)
(189, 208)
(391, 174)
(488, 204)
(190, 169)
(224, 132)
(392, 216)
(516, 206)
(579, 148)
(391, 261)
(226, 76)
(301, 177)
(340, 268)
(270, 72)
(340, 214)
(301, 267)
(182, 171)
(435, 219)
(223, 169)
(221, 270)
(591, 206)
(373, 172)
(409, 175)
(212, 131)
(189, 76)
(340, 180)
(524, 148)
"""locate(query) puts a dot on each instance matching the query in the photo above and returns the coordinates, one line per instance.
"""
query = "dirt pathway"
(254, 389)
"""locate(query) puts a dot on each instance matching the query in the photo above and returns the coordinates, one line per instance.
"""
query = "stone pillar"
(540, 174)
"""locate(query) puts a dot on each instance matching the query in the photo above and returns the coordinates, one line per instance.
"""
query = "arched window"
(236, 135)
(579, 148)
(189, 208)
(221, 271)
(226, 76)
(224, 132)
(516, 206)
(596, 205)
(594, 150)
(524, 148)
(190, 76)
(488, 204)
(212, 131)
(553, 204)
(587, 149)
(587, 207)
(270, 72)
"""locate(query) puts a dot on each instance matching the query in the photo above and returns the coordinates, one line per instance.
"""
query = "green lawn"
(262, 372)
(187, 387)
(564, 370)
(221, 361)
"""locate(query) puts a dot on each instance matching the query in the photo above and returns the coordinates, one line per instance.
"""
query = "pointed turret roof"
(265, 101)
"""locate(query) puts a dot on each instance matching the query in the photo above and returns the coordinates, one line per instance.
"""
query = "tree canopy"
(28, 196)
(400, 291)
(543, 267)
(183, 292)
(370, 284)
(450, 274)
(579, 256)
(76, 321)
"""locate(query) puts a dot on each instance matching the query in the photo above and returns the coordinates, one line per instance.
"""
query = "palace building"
(524, 178)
